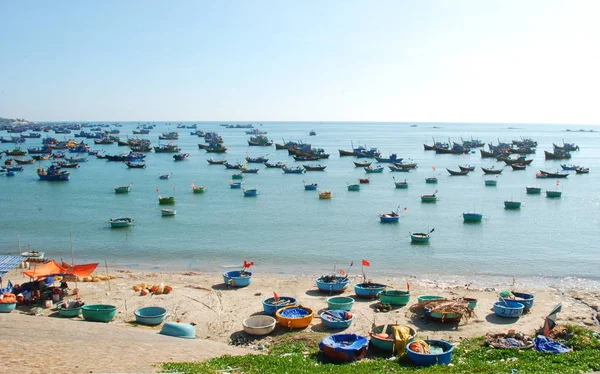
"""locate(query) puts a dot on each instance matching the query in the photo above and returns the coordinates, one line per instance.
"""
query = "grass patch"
(299, 353)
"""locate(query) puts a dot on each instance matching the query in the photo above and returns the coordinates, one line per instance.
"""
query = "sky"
(520, 61)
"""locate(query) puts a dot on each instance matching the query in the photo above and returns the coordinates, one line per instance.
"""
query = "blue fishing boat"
(250, 192)
(332, 283)
(472, 217)
(377, 169)
(344, 347)
(181, 156)
(393, 158)
(368, 289)
(53, 173)
(391, 217)
(293, 170)
(235, 185)
(310, 187)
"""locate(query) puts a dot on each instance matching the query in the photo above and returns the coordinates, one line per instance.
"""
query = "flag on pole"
(342, 272)
(550, 321)
(407, 286)
(366, 263)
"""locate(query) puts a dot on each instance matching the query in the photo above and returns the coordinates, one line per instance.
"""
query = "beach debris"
(145, 289)
(443, 307)
(96, 278)
(382, 307)
(37, 311)
(511, 339)
(545, 344)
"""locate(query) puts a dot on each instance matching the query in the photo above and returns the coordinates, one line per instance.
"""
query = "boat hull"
(419, 238)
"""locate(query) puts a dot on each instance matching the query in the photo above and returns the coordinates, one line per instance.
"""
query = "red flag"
(275, 296)
(433, 167)
(366, 263)
(342, 272)
(407, 286)
(248, 264)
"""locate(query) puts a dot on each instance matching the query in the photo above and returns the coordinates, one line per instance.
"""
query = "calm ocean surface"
(289, 230)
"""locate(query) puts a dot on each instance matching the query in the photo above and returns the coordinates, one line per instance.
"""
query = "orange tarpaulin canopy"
(53, 268)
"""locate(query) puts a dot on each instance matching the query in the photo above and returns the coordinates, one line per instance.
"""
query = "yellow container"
(287, 319)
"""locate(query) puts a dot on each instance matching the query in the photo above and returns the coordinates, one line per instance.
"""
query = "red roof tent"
(53, 268)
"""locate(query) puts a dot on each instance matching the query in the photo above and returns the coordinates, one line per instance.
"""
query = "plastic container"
(151, 315)
(259, 325)
(99, 312)
(179, 330)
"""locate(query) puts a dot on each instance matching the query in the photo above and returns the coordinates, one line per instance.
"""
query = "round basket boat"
(179, 330)
(294, 317)
(384, 340)
(271, 306)
(340, 303)
(339, 284)
(508, 308)
(344, 347)
(7, 307)
(394, 297)
(259, 325)
(151, 315)
(99, 312)
(235, 278)
(524, 298)
(422, 298)
(337, 319)
(368, 290)
(428, 359)
(444, 317)
(472, 302)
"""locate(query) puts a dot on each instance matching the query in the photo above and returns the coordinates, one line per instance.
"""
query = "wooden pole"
(108, 280)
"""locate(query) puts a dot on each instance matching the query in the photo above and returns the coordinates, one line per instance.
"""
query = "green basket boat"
(387, 343)
(419, 237)
(354, 187)
(99, 312)
(166, 200)
(394, 297)
(512, 204)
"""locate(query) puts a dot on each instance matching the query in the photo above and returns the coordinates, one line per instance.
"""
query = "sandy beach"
(218, 311)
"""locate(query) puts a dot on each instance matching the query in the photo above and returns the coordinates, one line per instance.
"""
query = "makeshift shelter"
(51, 268)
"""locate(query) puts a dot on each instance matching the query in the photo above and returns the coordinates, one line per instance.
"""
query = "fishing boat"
(10, 173)
(548, 174)
(233, 166)
(53, 173)
(518, 166)
(260, 140)
(461, 172)
(181, 156)
(120, 222)
(491, 182)
(520, 160)
(377, 169)
(256, 160)
(25, 162)
(390, 217)
(123, 189)
(393, 158)
(164, 176)
(533, 190)
(364, 180)
(278, 165)
(410, 165)
(168, 212)
(293, 170)
(216, 162)
(249, 171)
(431, 180)
(491, 170)
(401, 184)
(472, 217)
(362, 164)
(250, 192)
(163, 200)
(172, 135)
(565, 147)
(420, 237)
(397, 169)
(569, 167)
(235, 185)
(312, 133)
(167, 148)
(582, 170)
(135, 165)
(466, 167)
(237, 176)
(509, 204)
(553, 193)
(557, 155)
(325, 195)
(432, 198)
(314, 167)
(198, 189)
(215, 148)
(310, 187)
(34, 256)
(67, 165)
(353, 187)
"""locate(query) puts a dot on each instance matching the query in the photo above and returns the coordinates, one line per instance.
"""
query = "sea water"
(286, 229)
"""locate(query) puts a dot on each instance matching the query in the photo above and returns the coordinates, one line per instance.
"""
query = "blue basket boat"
(326, 284)
(369, 290)
(179, 330)
(508, 308)
(235, 278)
(7, 307)
(524, 298)
(150, 316)
(344, 347)
(271, 306)
(337, 319)
(440, 354)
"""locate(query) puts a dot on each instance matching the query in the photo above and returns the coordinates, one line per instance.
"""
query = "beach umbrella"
(550, 320)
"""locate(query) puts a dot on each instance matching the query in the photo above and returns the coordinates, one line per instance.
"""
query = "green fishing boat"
(354, 187)
(512, 204)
